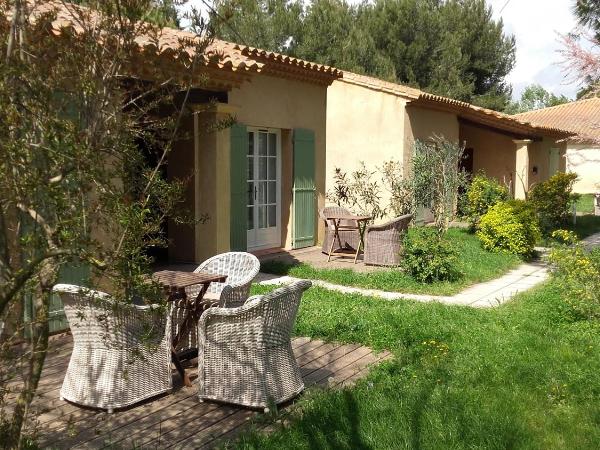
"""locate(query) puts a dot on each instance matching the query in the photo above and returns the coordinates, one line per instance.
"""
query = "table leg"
(361, 237)
(184, 376)
(336, 234)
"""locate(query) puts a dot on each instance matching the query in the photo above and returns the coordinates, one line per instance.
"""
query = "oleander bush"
(483, 193)
(553, 200)
(577, 273)
(429, 256)
(509, 227)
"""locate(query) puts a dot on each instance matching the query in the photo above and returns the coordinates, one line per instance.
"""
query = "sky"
(535, 24)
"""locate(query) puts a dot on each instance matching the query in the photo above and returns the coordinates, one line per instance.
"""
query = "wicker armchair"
(121, 353)
(384, 242)
(240, 267)
(348, 238)
(245, 353)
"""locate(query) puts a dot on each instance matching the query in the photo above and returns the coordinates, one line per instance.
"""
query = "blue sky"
(535, 24)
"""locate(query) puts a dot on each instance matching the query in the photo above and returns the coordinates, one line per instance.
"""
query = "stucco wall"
(584, 160)
(362, 125)
(493, 153)
(273, 102)
(539, 157)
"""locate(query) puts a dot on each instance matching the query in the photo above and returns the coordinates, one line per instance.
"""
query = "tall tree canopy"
(588, 14)
(449, 47)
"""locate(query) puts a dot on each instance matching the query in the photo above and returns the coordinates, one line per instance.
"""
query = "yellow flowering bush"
(577, 273)
(509, 227)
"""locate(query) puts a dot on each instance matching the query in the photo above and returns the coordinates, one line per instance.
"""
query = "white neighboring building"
(583, 151)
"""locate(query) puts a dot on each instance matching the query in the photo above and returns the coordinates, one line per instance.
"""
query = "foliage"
(77, 139)
(482, 194)
(358, 192)
(577, 273)
(474, 264)
(517, 376)
(553, 200)
(399, 187)
(585, 204)
(588, 14)
(535, 97)
(429, 256)
(453, 48)
(436, 179)
(509, 227)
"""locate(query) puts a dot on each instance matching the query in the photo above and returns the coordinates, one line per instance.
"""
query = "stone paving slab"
(482, 295)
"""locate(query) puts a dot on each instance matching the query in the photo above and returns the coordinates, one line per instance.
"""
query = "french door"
(264, 188)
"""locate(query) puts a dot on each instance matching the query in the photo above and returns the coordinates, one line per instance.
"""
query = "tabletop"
(178, 280)
(347, 217)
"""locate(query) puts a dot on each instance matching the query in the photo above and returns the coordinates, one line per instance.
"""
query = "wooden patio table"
(174, 283)
(361, 226)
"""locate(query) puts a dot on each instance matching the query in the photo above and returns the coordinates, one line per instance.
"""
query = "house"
(581, 117)
(374, 121)
(259, 183)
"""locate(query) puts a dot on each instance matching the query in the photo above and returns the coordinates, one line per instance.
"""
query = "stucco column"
(212, 186)
(521, 180)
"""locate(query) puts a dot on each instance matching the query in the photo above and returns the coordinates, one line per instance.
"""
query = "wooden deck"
(176, 420)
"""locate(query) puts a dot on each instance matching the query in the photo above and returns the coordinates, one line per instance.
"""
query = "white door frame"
(269, 237)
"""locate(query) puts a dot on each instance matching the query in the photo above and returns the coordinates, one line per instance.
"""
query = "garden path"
(481, 295)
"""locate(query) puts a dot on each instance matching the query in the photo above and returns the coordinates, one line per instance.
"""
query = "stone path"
(482, 295)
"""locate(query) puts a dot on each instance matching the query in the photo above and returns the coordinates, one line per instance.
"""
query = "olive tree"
(77, 123)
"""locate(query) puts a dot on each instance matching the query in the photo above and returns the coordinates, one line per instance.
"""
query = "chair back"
(239, 267)
(279, 311)
(403, 222)
(335, 210)
(96, 318)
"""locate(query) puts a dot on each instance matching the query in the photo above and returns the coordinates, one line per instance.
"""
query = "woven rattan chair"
(121, 353)
(245, 353)
(348, 238)
(383, 243)
(240, 267)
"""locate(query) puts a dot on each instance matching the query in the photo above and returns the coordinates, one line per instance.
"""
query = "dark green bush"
(510, 227)
(483, 193)
(553, 200)
(429, 256)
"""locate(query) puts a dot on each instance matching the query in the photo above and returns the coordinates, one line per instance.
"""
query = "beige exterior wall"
(363, 125)
(203, 159)
(493, 153)
(272, 102)
(584, 160)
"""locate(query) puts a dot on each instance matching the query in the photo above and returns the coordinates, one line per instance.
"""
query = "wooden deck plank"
(216, 431)
(176, 420)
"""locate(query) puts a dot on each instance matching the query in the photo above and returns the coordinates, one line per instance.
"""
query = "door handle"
(254, 192)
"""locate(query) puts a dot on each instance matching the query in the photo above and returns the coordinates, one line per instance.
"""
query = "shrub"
(483, 193)
(553, 200)
(509, 227)
(429, 256)
(577, 273)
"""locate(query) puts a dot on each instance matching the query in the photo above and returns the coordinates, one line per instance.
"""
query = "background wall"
(584, 160)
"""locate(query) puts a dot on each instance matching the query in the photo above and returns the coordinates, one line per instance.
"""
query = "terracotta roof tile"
(222, 54)
(581, 117)
(471, 112)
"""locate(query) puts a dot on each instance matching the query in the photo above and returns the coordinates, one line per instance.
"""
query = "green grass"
(476, 265)
(521, 376)
(585, 226)
(585, 204)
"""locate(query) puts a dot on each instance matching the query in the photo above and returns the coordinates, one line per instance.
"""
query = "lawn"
(476, 265)
(585, 204)
(524, 375)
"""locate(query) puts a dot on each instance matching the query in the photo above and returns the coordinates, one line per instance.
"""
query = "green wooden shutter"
(303, 232)
(73, 273)
(239, 187)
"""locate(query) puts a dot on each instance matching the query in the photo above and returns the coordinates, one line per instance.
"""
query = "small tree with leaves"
(436, 178)
(77, 124)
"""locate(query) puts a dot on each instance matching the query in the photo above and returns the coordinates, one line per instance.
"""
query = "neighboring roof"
(581, 117)
(464, 110)
(220, 54)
